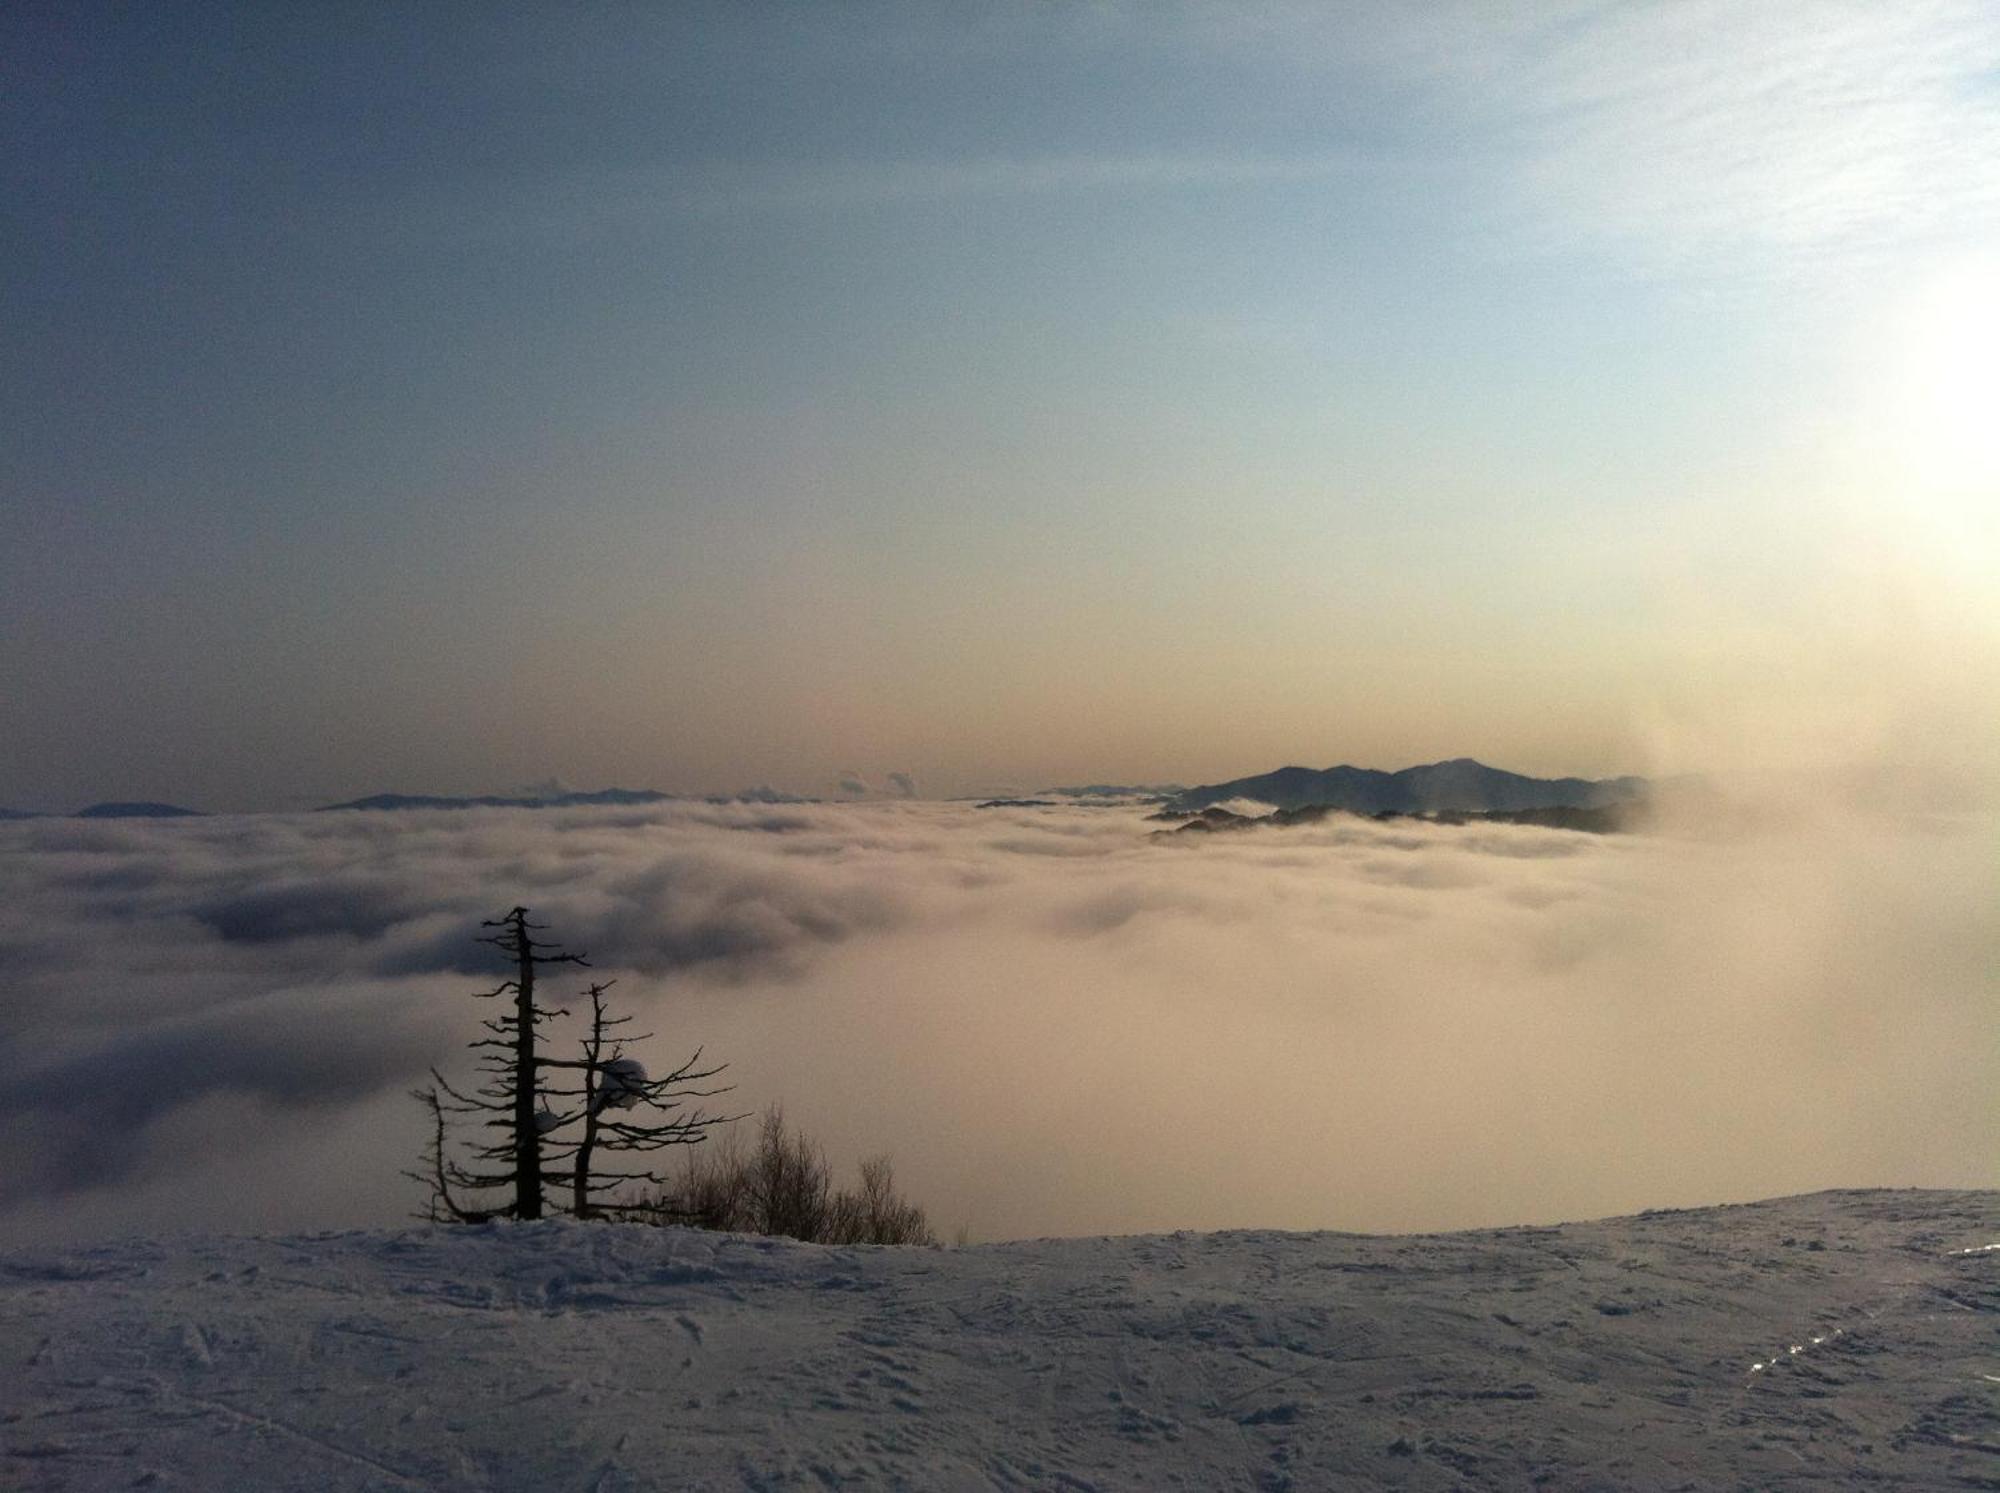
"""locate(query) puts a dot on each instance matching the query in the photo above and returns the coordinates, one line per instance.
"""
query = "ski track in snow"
(1837, 1340)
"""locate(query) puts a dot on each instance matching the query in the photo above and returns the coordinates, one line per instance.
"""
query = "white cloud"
(1776, 136)
(1706, 136)
(1055, 1020)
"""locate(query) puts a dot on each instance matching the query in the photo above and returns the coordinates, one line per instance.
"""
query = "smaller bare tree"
(612, 1085)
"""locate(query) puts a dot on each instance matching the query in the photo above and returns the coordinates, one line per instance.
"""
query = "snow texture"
(1842, 1339)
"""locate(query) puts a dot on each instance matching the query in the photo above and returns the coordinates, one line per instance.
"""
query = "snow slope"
(1619, 1354)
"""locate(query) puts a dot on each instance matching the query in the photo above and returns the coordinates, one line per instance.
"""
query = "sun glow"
(1948, 388)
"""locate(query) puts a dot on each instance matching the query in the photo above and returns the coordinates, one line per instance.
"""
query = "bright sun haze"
(1952, 397)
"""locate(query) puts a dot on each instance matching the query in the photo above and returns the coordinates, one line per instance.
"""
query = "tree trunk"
(582, 1208)
(593, 1049)
(527, 1139)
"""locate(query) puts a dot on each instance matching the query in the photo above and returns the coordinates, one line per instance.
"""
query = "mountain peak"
(136, 810)
(1457, 784)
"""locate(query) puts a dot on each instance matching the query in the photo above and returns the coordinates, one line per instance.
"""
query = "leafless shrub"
(783, 1185)
(879, 1214)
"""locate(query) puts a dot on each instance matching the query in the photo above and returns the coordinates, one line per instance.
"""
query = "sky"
(697, 397)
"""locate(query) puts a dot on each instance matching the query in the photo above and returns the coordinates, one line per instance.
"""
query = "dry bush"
(877, 1214)
(713, 1190)
(783, 1185)
(791, 1185)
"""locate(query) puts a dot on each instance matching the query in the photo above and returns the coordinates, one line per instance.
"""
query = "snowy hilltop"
(1817, 1341)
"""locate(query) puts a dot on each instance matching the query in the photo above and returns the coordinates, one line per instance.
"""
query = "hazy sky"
(438, 398)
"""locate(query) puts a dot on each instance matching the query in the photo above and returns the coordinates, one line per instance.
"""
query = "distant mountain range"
(1458, 786)
(383, 802)
(601, 796)
(136, 811)
(1610, 819)
(112, 811)
(1150, 791)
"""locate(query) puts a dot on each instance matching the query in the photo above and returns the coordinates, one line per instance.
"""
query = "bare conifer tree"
(528, 1139)
(611, 1085)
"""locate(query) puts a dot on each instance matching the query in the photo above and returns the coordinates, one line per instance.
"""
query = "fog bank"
(1056, 1021)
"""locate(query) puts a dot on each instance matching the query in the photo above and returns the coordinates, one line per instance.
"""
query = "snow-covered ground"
(1823, 1341)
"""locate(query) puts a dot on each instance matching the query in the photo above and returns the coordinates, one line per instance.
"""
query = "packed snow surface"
(1835, 1340)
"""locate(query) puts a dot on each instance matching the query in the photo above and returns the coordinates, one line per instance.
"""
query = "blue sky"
(714, 395)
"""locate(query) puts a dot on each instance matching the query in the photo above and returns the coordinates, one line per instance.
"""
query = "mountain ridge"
(1456, 785)
(383, 802)
(136, 810)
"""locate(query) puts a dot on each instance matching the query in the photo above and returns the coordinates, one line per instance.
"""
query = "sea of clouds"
(1055, 1020)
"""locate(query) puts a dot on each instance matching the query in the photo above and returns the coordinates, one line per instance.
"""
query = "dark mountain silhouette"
(1151, 792)
(392, 801)
(1609, 819)
(19, 814)
(136, 811)
(1460, 785)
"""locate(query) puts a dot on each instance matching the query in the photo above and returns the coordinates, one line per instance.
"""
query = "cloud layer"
(1056, 1021)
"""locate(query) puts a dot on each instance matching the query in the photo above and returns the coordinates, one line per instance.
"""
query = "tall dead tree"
(509, 1096)
(528, 1122)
